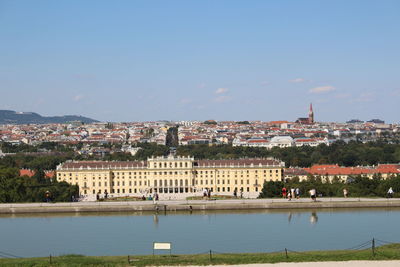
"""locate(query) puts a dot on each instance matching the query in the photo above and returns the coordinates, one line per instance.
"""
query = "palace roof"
(143, 164)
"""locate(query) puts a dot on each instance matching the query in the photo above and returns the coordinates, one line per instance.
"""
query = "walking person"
(292, 193)
(345, 192)
(284, 192)
(390, 192)
(313, 194)
(205, 193)
(47, 196)
(297, 193)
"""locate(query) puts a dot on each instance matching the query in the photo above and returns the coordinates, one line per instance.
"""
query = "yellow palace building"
(171, 177)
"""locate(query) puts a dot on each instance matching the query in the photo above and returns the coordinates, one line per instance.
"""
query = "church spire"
(311, 115)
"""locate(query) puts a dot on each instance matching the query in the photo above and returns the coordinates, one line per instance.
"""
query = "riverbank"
(199, 205)
(388, 254)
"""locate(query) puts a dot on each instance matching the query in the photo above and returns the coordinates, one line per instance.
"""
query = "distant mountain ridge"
(13, 117)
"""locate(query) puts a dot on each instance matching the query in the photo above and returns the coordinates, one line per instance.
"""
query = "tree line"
(15, 188)
(356, 186)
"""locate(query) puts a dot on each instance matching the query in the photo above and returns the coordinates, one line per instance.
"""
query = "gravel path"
(321, 264)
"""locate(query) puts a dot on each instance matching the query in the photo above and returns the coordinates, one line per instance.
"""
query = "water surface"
(197, 232)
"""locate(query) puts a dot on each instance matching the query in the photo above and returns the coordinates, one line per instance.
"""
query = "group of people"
(295, 193)
(150, 197)
(206, 193)
(292, 193)
(235, 193)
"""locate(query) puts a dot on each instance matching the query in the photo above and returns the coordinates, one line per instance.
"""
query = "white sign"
(161, 245)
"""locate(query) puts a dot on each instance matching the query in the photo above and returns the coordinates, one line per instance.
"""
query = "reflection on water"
(194, 231)
(155, 220)
(196, 212)
(313, 218)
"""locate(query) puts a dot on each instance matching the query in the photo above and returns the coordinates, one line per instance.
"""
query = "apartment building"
(330, 172)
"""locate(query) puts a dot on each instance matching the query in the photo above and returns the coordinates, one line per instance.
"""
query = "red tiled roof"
(337, 170)
(277, 122)
(258, 141)
(49, 174)
(30, 173)
(388, 168)
(306, 140)
(26, 172)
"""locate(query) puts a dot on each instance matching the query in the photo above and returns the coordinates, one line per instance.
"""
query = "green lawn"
(387, 252)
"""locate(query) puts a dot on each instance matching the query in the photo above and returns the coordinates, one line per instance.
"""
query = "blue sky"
(197, 60)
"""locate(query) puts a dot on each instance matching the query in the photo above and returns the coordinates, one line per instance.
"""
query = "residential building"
(329, 172)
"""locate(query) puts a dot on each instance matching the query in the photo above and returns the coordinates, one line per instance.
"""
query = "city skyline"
(226, 60)
(301, 120)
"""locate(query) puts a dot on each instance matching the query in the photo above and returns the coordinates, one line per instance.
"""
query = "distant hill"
(12, 117)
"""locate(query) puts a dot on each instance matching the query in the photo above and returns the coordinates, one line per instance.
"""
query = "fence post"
(373, 247)
(129, 260)
(286, 253)
(50, 258)
(210, 255)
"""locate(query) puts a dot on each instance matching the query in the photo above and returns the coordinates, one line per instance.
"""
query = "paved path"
(199, 202)
(321, 264)
(192, 205)
(231, 201)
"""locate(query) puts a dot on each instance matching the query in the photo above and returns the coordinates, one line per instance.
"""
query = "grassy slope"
(388, 252)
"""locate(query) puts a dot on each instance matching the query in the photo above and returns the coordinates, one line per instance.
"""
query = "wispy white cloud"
(221, 91)
(365, 97)
(322, 89)
(185, 101)
(298, 80)
(264, 83)
(78, 97)
(222, 99)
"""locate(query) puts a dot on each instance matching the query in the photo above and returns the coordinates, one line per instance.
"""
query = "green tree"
(172, 137)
